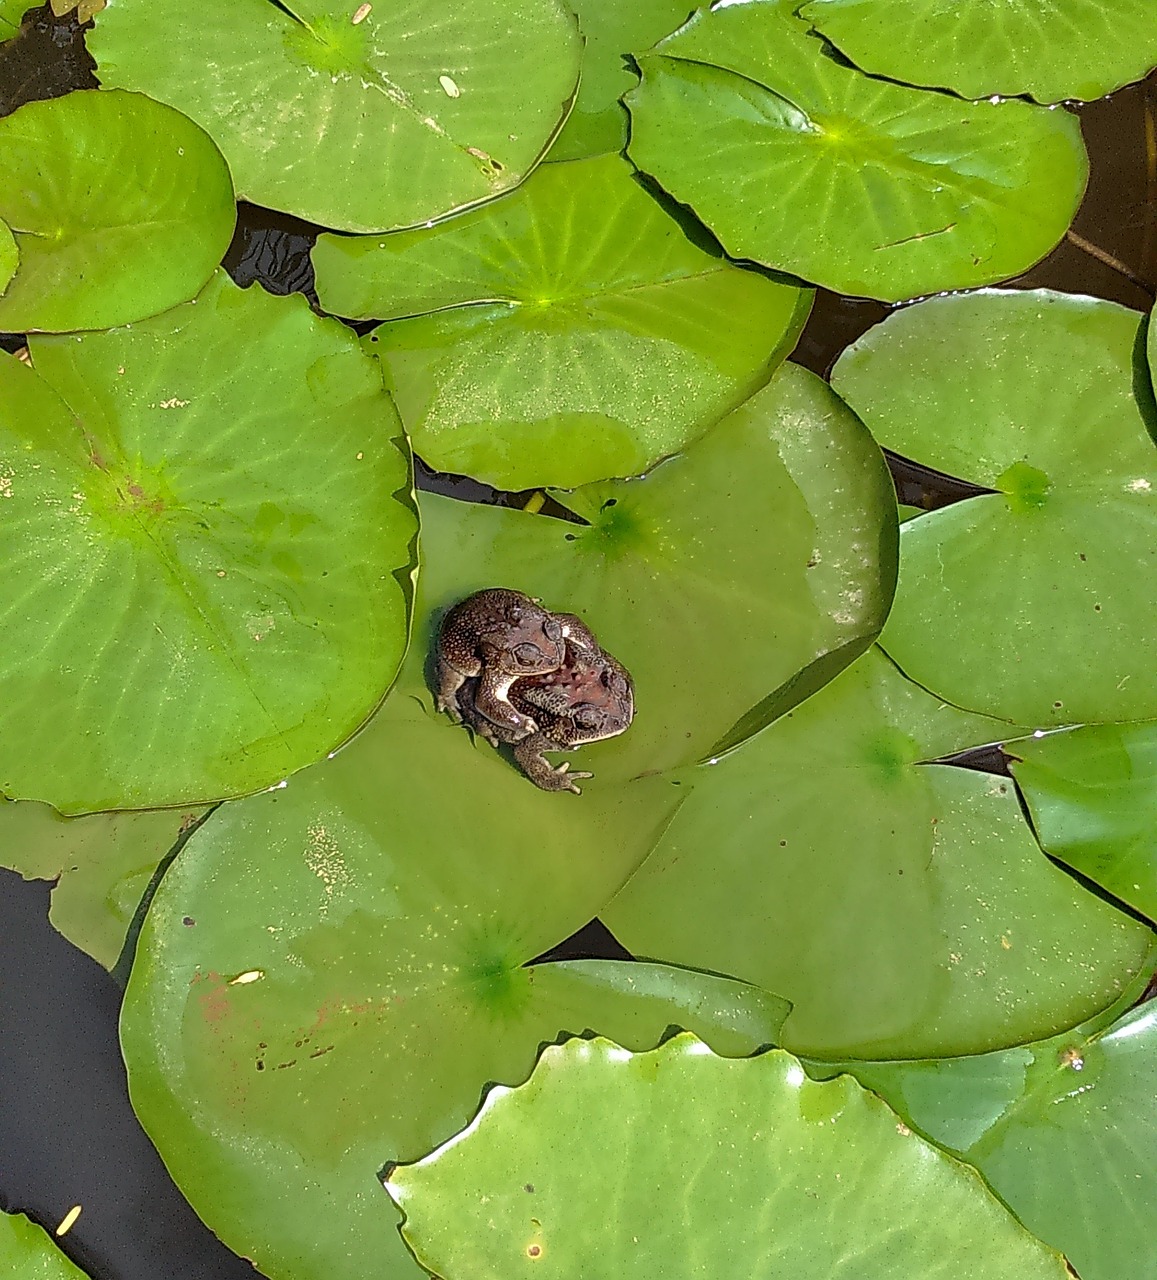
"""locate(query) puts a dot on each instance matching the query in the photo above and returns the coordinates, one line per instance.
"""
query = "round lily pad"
(96, 252)
(331, 972)
(1037, 602)
(1049, 50)
(731, 580)
(566, 333)
(11, 15)
(612, 30)
(1063, 1130)
(26, 1252)
(359, 118)
(800, 162)
(1092, 793)
(903, 907)
(679, 1164)
(101, 864)
(207, 544)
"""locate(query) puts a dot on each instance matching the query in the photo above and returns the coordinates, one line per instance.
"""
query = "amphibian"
(496, 636)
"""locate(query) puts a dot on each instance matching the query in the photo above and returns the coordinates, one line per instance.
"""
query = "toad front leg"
(540, 771)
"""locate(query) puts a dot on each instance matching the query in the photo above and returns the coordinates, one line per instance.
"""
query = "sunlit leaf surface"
(867, 187)
(1063, 1130)
(362, 119)
(27, 1253)
(121, 208)
(1092, 793)
(1051, 50)
(566, 333)
(1038, 602)
(902, 907)
(207, 540)
(678, 1164)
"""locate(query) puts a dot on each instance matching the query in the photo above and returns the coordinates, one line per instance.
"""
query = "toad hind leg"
(540, 771)
(450, 680)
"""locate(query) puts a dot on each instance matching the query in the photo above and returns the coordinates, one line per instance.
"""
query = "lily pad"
(870, 188)
(95, 253)
(1046, 50)
(26, 1252)
(361, 119)
(11, 15)
(207, 557)
(612, 29)
(716, 1167)
(743, 573)
(1063, 1130)
(331, 972)
(567, 333)
(1092, 794)
(102, 864)
(9, 255)
(1037, 602)
(903, 907)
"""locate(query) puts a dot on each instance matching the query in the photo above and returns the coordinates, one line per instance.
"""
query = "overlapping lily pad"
(567, 333)
(207, 542)
(359, 118)
(679, 1164)
(102, 864)
(26, 1252)
(329, 974)
(801, 163)
(1038, 602)
(121, 208)
(9, 255)
(1046, 49)
(612, 29)
(1063, 1130)
(902, 907)
(742, 573)
(11, 14)
(1092, 793)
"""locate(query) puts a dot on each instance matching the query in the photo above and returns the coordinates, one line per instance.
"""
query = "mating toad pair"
(518, 674)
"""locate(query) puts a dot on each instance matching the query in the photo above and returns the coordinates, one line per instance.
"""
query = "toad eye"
(527, 655)
(587, 717)
(552, 628)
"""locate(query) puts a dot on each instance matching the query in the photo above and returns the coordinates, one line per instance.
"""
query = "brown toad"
(496, 636)
(588, 699)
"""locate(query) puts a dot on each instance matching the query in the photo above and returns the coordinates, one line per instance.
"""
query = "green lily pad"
(1092, 794)
(902, 907)
(330, 973)
(1038, 602)
(26, 1252)
(9, 255)
(361, 119)
(1049, 51)
(744, 572)
(96, 253)
(870, 188)
(567, 333)
(102, 864)
(207, 546)
(11, 15)
(716, 1167)
(612, 29)
(1063, 1130)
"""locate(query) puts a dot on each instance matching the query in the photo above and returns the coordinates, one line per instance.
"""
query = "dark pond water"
(67, 1133)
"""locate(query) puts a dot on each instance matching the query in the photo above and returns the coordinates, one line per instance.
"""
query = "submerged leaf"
(564, 334)
(206, 558)
(358, 117)
(678, 1164)
(120, 206)
(801, 163)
